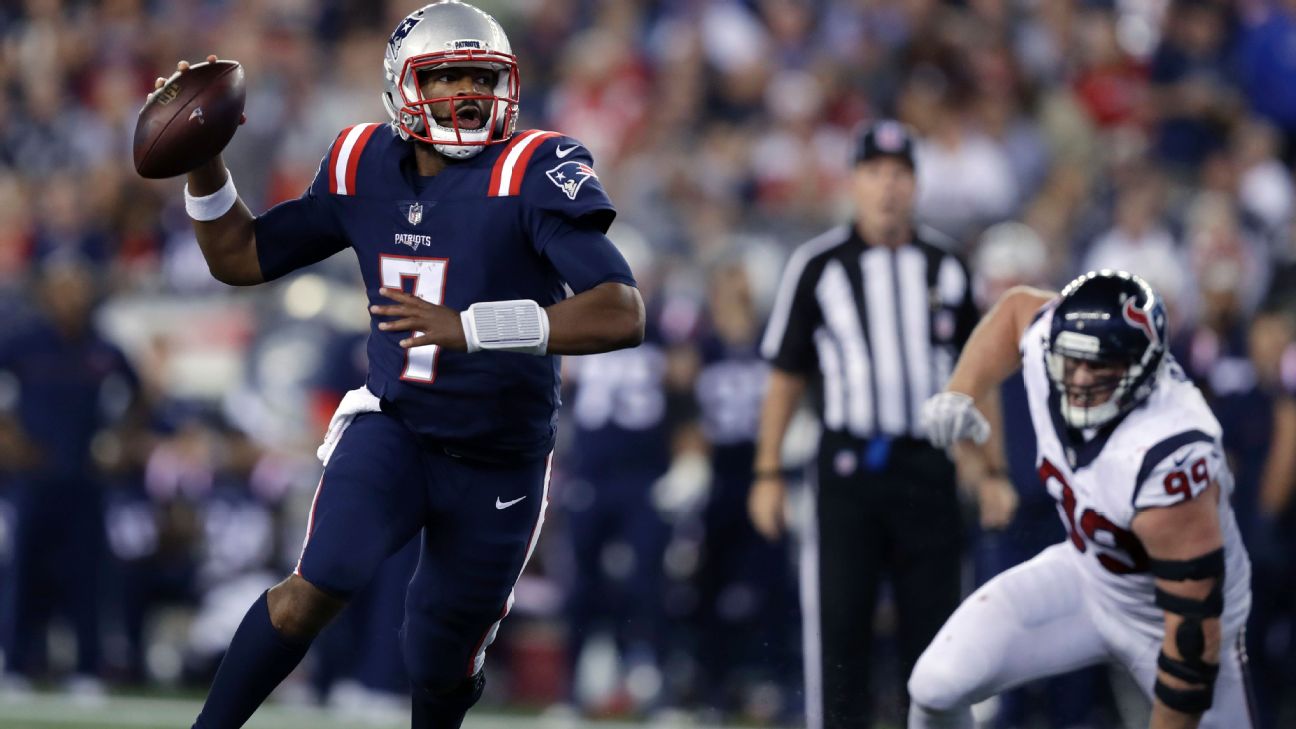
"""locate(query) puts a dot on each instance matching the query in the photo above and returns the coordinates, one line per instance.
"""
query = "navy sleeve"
(301, 232)
(582, 255)
(560, 180)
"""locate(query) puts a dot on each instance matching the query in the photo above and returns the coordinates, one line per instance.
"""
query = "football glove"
(950, 416)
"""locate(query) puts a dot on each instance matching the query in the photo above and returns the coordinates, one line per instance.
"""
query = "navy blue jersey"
(620, 411)
(517, 221)
(729, 389)
(65, 391)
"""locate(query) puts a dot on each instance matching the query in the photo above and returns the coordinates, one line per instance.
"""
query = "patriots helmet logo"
(402, 30)
(569, 176)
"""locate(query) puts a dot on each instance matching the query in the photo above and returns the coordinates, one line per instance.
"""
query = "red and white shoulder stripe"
(510, 167)
(345, 157)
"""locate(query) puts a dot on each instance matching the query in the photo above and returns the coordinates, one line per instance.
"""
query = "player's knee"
(434, 677)
(447, 707)
(921, 717)
(938, 684)
(437, 659)
(434, 673)
(299, 609)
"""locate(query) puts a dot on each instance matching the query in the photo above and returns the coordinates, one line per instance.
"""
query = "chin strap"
(459, 151)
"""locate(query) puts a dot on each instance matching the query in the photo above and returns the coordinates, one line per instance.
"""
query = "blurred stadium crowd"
(157, 429)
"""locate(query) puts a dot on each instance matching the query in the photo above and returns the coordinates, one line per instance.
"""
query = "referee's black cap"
(885, 138)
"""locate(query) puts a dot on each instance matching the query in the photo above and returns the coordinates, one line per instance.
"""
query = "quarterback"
(467, 234)
(1154, 576)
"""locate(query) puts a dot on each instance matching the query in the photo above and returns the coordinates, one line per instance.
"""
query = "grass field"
(55, 711)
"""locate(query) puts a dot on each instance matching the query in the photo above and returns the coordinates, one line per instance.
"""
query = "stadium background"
(1152, 135)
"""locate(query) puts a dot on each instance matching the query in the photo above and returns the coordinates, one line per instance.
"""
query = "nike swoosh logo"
(1181, 461)
(564, 152)
(506, 504)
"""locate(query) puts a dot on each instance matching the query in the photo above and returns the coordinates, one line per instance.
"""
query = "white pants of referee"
(1035, 621)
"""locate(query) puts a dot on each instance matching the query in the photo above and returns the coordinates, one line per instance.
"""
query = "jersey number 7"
(429, 277)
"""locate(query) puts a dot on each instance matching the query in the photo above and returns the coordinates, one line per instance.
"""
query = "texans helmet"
(1113, 319)
(450, 35)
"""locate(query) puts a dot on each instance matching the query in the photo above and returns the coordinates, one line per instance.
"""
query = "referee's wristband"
(210, 207)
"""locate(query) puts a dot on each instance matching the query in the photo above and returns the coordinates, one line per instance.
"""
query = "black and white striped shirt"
(877, 330)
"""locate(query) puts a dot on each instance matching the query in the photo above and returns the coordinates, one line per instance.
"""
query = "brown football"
(190, 119)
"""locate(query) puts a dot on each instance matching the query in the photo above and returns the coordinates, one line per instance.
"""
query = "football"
(190, 119)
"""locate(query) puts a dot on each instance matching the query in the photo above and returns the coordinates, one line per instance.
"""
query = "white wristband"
(210, 207)
(520, 325)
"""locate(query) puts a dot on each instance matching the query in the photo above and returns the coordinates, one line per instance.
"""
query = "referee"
(870, 316)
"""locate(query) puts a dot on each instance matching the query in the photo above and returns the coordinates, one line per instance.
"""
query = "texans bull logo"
(1140, 319)
(569, 176)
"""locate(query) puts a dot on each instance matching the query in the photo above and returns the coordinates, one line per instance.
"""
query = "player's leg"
(370, 502)
(484, 524)
(588, 521)
(77, 579)
(1027, 623)
(381, 667)
(640, 624)
(19, 613)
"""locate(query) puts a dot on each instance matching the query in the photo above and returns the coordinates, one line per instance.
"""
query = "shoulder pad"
(555, 174)
(338, 173)
(1037, 330)
(511, 165)
(1177, 469)
(1047, 308)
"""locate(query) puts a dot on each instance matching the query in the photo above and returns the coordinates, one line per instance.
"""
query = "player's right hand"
(951, 416)
(181, 67)
(765, 506)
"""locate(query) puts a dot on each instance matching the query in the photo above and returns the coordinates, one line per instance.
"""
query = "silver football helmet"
(446, 35)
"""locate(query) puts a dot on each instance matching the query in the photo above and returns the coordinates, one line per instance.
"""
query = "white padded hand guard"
(951, 416)
(520, 325)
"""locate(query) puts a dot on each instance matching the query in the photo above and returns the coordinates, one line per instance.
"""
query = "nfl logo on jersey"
(414, 214)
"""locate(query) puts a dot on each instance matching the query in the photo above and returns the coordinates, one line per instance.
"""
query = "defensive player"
(466, 234)
(1155, 576)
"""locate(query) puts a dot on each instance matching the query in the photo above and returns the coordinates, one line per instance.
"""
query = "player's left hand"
(430, 323)
(952, 416)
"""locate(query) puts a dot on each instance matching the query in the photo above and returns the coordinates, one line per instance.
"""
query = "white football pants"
(1034, 621)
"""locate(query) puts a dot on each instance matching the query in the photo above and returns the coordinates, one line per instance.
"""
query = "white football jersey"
(1164, 451)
